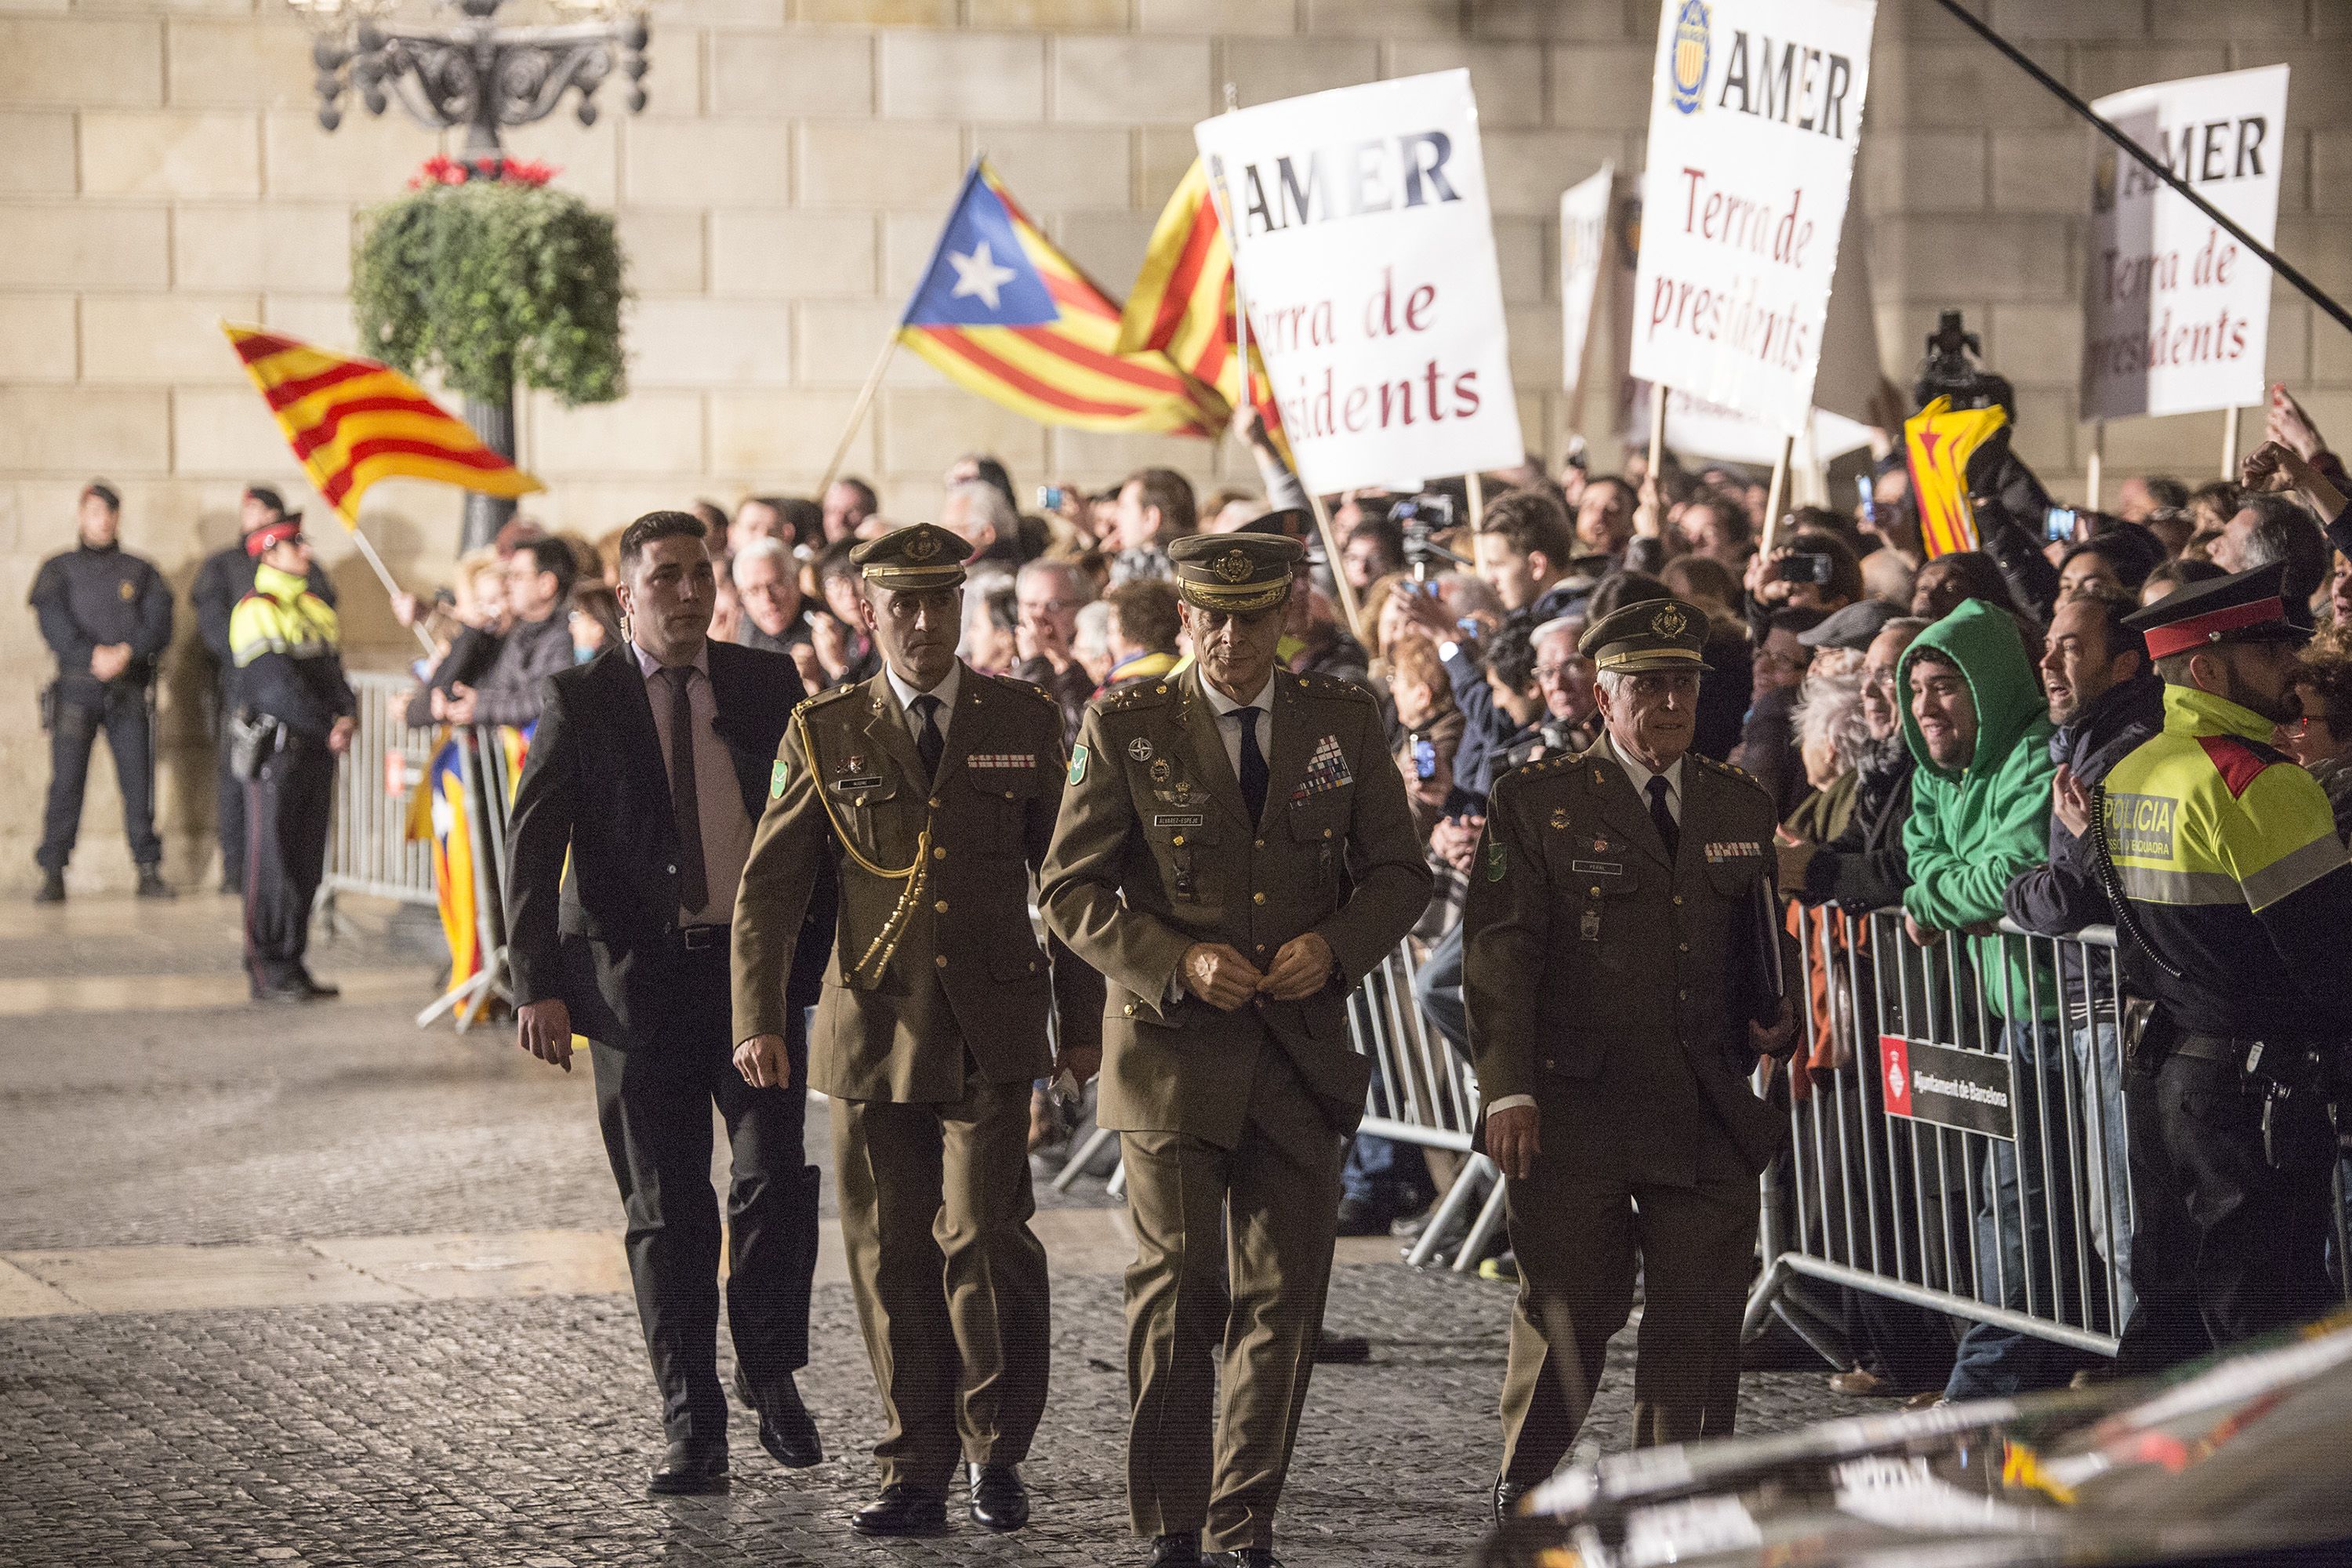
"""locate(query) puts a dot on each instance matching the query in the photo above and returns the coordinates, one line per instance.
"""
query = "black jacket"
(2065, 894)
(87, 599)
(1864, 867)
(510, 688)
(469, 655)
(226, 577)
(598, 932)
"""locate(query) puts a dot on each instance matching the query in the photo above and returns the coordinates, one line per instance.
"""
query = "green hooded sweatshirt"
(1973, 829)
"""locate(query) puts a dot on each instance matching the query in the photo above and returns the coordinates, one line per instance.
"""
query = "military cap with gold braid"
(1650, 635)
(913, 558)
(1237, 573)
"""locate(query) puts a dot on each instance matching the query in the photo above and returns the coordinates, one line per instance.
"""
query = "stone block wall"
(161, 168)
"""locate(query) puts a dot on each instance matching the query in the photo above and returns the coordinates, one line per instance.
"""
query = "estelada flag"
(351, 422)
(1939, 439)
(1183, 301)
(1012, 319)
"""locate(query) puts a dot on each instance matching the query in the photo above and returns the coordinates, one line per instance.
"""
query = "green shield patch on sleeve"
(776, 777)
(1077, 764)
(1494, 860)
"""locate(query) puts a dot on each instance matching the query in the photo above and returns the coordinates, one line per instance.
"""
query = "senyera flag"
(1182, 303)
(351, 422)
(1012, 319)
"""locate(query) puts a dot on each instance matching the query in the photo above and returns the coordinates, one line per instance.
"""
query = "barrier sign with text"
(2176, 314)
(1755, 113)
(1965, 1090)
(1366, 256)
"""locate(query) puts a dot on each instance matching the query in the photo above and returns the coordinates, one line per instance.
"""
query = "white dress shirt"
(945, 691)
(719, 798)
(1230, 734)
(1640, 777)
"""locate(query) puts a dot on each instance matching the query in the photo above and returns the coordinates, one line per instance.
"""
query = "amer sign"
(1755, 115)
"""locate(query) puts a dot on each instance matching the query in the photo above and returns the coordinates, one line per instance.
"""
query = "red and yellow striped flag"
(351, 422)
(1006, 314)
(1182, 303)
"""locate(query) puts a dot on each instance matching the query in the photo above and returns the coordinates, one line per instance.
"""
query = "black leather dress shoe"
(901, 1509)
(1182, 1550)
(300, 988)
(690, 1469)
(1507, 1494)
(999, 1497)
(1246, 1557)
(786, 1428)
(1341, 1350)
(151, 884)
(53, 889)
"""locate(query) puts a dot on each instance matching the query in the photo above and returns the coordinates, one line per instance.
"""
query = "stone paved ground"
(516, 1431)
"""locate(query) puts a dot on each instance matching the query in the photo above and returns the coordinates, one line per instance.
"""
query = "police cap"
(1650, 635)
(1237, 573)
(2245, 607)
(913, 558)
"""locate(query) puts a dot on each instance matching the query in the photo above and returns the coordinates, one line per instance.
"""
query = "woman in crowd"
(1427, 730)
(2321, 739)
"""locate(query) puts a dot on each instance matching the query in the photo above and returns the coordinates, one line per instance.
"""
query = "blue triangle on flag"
(980, 275)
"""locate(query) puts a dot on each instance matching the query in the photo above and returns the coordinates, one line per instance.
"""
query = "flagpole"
(857, 413)
(1657, 428)
(367, 552)
(2229, 443)
(1478, 501)
(2097, 461)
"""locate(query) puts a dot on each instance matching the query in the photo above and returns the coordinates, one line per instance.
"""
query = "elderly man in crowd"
(1049, 594)
(767, 584)
(981, 516)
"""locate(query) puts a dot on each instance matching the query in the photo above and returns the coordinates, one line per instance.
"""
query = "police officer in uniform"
(2234, 898)
(1235, 852)
(107, 614)
(1622, 971)
(297, 711)
(932, 789)
(226, 577)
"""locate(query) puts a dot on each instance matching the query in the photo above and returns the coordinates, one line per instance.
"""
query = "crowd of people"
(1930, 735)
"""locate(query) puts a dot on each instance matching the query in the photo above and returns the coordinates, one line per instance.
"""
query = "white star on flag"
(979, 274)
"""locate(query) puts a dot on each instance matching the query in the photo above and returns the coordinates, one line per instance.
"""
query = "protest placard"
(1755, 113)
(1366, 260)
(1585, 213)
(2176, 314)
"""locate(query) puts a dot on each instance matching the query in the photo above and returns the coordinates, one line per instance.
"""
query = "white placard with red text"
(2176, 314)
(1755, 113)
(1585, 213)
(1366, 256)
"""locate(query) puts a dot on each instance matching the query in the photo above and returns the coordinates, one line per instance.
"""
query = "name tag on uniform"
(1600, 868)
(846, 786)
(1733, 849)
(1179, 819)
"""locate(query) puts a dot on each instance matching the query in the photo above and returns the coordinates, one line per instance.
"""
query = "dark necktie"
(1665, 817)
(685, 801)
(929, 743)
(1252, 768)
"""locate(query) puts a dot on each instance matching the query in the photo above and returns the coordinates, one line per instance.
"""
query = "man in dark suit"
(649, 768)
(1620, 984)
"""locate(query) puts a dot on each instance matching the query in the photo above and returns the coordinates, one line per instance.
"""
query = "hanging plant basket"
(487, 277)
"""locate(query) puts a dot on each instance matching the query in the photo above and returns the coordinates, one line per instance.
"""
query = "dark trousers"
(2224, 1247)
(653, 1103)
(120, 709)
(286, 812)
(228, 809)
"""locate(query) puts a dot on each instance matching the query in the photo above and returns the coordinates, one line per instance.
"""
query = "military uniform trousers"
(950, 1282)
(653, 1103)
(1224, 1303)
(1580, 1229)
(2224, 1247)
(287, 806)
(84, 709)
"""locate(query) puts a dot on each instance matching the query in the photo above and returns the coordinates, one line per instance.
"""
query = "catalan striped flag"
(1183, 301)
(351, 422)
(1010, 317)
(1939, 439)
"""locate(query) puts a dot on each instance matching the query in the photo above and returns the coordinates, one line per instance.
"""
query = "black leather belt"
(695, 938)
(2212, 1048)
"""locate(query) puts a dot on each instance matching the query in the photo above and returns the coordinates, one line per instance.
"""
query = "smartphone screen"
(2060, 528)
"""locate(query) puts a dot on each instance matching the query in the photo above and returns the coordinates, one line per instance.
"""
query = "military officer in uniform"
(932, 789)
(2233, 890)
(1235, 852)
(1622, 971)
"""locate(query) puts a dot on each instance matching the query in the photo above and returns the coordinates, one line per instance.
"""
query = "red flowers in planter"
(443, 170)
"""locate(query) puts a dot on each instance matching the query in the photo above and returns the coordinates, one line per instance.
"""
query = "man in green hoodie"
(1979, 729)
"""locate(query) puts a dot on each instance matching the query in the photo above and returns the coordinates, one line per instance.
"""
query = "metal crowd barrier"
(368, 849)
(1952, 1146)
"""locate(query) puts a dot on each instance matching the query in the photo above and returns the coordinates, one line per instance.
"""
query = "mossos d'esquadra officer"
(1622, 967)
(1235, 852)
(931, 789)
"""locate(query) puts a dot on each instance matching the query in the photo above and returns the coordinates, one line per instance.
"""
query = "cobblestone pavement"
(517, 1430)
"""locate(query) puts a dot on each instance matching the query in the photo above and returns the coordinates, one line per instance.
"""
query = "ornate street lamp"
(472, 72)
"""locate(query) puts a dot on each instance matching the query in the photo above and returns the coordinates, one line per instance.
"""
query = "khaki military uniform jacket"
(1615, 983)
(915, 981)
(1155, 852)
